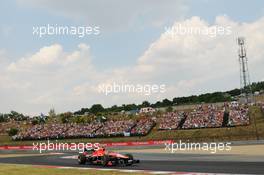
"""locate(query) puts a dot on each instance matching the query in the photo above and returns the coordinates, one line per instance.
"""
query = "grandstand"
(171, 120)
(203, 116)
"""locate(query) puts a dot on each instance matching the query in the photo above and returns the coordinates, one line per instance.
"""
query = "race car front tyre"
(122, 162)
(105, 160)
(81, 159)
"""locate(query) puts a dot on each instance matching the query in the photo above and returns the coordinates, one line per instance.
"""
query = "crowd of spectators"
(108, 128)
(115, 128)
(5, 126)
(262, 107)
(142, 127)
(56, 131)
(205, 116)
(239, 116)
(83, 130)
(170, 120)
(41, 131)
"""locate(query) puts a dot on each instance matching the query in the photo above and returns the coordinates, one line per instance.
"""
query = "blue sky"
(238, 10)
(119, 47)
(128, 30)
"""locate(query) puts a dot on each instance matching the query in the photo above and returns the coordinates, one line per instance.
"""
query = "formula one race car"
(105, 158)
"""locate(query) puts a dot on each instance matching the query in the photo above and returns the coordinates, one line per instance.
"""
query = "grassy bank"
(253, 131)
(33, 170)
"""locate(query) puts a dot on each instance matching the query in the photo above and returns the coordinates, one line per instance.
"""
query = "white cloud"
(45, 78)
(186, 64)
(45, 56)
(51, 57)
(190, 57)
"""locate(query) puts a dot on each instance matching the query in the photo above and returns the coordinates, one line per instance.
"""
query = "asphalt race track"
(160, 162)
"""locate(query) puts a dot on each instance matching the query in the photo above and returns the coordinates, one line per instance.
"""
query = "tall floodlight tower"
(244, 73)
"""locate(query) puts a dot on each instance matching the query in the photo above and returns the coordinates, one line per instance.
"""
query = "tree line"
(99, 109)
(193, 99)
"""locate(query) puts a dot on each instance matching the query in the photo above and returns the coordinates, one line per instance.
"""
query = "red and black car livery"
(105, 158)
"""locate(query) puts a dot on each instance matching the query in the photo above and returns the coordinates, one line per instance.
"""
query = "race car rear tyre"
(81, 159)
(105, 160)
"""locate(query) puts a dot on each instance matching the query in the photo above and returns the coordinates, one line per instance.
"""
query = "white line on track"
(137, 171)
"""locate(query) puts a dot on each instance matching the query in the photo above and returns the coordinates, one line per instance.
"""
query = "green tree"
(2, 118)
(12, 131)
(96, 108)
(35, 121)
(166, 102)
(66, 117)
(82, 111)
(17, 116)
(145, 104)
